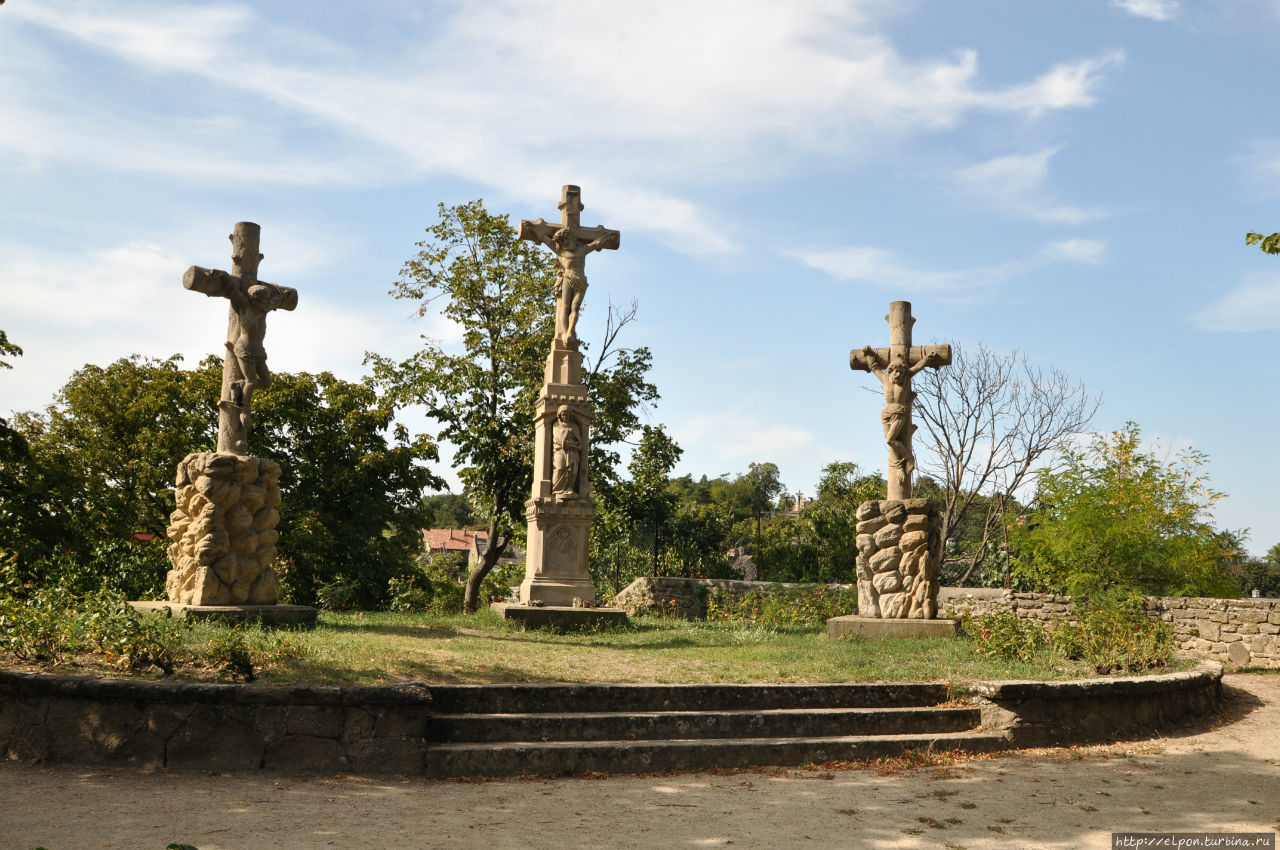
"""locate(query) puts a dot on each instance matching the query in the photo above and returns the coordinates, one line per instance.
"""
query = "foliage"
(135, 569)
(501, 292)
(447, 510)
(784, 606)
(1006, 635)
(989, 419)
(101, 460)
(1260, 575)
(1116, 516)
(351, 511)
(1112, 634)
(49, 624)
(1268, 244)
(8, 349)
(433, 586)
(832, 519)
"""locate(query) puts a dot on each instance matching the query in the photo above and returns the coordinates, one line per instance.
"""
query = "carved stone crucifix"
(244, 366)
(571, 243)
(894, 366)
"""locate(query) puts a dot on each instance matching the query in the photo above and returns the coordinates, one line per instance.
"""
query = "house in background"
(466, 546)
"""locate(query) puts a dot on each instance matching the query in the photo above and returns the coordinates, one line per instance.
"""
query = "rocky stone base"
(899, 554)
(224, 531)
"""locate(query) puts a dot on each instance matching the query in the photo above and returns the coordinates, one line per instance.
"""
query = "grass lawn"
(383, 648)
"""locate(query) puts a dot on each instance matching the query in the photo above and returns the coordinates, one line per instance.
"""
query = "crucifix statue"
(571, 243)
(244, 368)
(894, 366)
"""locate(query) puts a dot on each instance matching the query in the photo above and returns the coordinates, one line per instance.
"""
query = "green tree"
(1118, 517)
(1268, 244)
(763, 485)
(102, 460)
(352, 484)
(448, 510)
(636, 517)
(501, 292)
(832, 519)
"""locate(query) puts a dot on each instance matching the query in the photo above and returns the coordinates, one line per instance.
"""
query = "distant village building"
(467, 546)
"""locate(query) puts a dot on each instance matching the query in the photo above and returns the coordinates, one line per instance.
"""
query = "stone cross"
(894, 366)
(571, 243)
(244, 367)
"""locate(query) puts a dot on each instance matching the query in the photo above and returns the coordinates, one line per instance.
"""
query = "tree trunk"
(476, 577)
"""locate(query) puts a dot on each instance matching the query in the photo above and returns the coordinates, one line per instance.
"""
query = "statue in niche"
(566, 458)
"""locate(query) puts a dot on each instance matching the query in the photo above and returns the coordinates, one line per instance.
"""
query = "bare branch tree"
(992, 419)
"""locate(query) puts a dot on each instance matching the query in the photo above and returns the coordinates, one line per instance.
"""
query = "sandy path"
(1222, 776)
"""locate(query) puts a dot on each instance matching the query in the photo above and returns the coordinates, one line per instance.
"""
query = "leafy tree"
(8, 349)
(1117, 517)
(1268, 244)
(832, 519)
(447, 510)
(351, 513)
(644, 506)
(501, 292)
(102, 460)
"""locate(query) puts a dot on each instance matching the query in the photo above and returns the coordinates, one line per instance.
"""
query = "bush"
(134, 569)
(435, 585)
(1008, 636)
(1112, 634)
(47, 625)
(785, 606)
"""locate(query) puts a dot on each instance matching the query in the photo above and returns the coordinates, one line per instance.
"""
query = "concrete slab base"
(871, 627)
(268, 615)
(559, 616)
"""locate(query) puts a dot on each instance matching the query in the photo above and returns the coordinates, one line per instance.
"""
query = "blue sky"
(1069, 178)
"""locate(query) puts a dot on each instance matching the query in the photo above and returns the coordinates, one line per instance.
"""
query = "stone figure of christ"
(252, 304)
(896, 379)
(571, 278)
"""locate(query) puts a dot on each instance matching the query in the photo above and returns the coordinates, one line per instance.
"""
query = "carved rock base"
(556, 557)
(224, 531)
(899, 553)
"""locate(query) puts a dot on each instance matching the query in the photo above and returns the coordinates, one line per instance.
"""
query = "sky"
(1071, 179)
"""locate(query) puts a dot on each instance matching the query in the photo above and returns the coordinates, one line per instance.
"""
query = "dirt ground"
(1221, 776)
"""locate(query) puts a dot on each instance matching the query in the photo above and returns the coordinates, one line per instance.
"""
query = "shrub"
(785, 606)
(435, 585)
(1111, 633)
(1008, 636)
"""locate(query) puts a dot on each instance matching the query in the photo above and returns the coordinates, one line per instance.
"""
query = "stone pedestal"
(560, 508)
(224, 531)
(899, 554)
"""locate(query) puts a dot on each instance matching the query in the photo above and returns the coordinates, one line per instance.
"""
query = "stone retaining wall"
(152, 725)
(687, 597)
(1036, 714)
(1240, 632)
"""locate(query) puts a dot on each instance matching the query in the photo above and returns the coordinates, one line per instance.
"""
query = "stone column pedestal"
(899, 554)
(560, 509)
(224, 531)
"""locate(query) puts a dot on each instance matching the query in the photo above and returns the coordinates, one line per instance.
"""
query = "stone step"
(569, 698)
(656, 725)
(517, 758)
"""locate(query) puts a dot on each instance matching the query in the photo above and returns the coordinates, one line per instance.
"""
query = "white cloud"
(1015, 184)
(866, 264)
(1156, 10)
(520, 95)
(1253, 305)
(98, 307)
(1085, 251)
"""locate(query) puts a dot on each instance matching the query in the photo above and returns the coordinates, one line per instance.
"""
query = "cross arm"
(599, 238)
(538, 231)
(217, 283)
(861, 361)
(925, 356)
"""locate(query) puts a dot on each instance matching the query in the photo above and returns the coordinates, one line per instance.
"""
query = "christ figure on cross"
(571, 243)
(895, 366)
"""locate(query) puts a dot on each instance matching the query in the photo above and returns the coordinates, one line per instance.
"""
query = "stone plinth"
(268, 615)
(870, 627)
(560, 508)
(224, 531)
(899, 553)
(559, 616)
